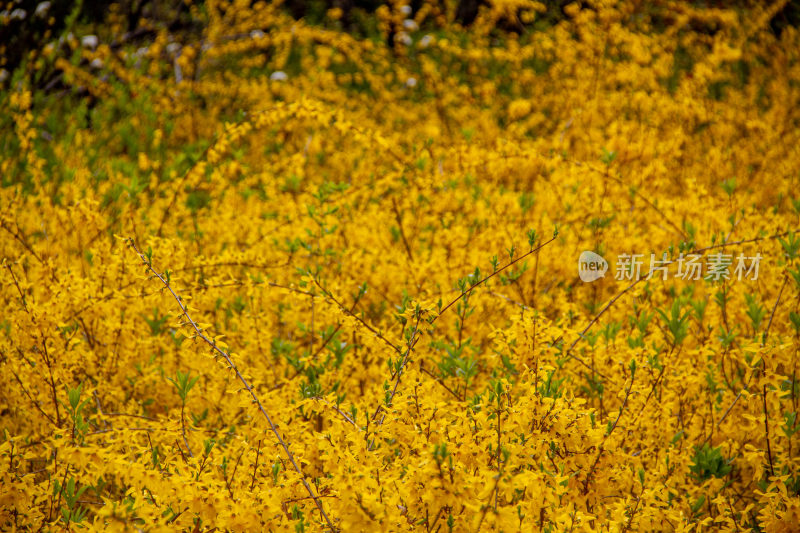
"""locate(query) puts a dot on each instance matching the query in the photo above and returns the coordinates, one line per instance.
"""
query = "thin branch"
(601, 448)
(16, 284)
(440, 382)
(233, 474)
(255, 466)
(766, 431)
(399, 220)
(411, 343)
(335, 408)
(183, 430)
(360, 320)
(603, 310)
(745, 241)
(763, 342)
(774, 308)
(34, 402)
(22, 241)
(493, 274)
(231, 365)
(582, 334)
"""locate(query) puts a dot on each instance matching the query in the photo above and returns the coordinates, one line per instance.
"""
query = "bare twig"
(336, 408)
(231, 365)
(34, 402)
(255, 466)
(598, 315)
(19, 237)
(16, 284)
(493, 274)
(745, 241)
(763, 342)
(440, 382)
(766, 431)
(415, 334)
(360, 320)
(183, 429)
(601, 448)
(399, 220)
(774, 308)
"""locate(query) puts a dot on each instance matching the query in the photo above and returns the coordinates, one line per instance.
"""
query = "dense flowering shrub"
(269, 274)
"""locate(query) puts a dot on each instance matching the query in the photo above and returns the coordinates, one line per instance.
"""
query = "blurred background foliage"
(26, 24)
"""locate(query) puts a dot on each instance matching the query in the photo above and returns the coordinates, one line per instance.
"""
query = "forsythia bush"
(268, 274)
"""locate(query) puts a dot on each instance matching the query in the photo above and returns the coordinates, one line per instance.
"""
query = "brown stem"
(763, 342)
(766, 431)
(231, 365)
(493, 274)
(255, 466)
